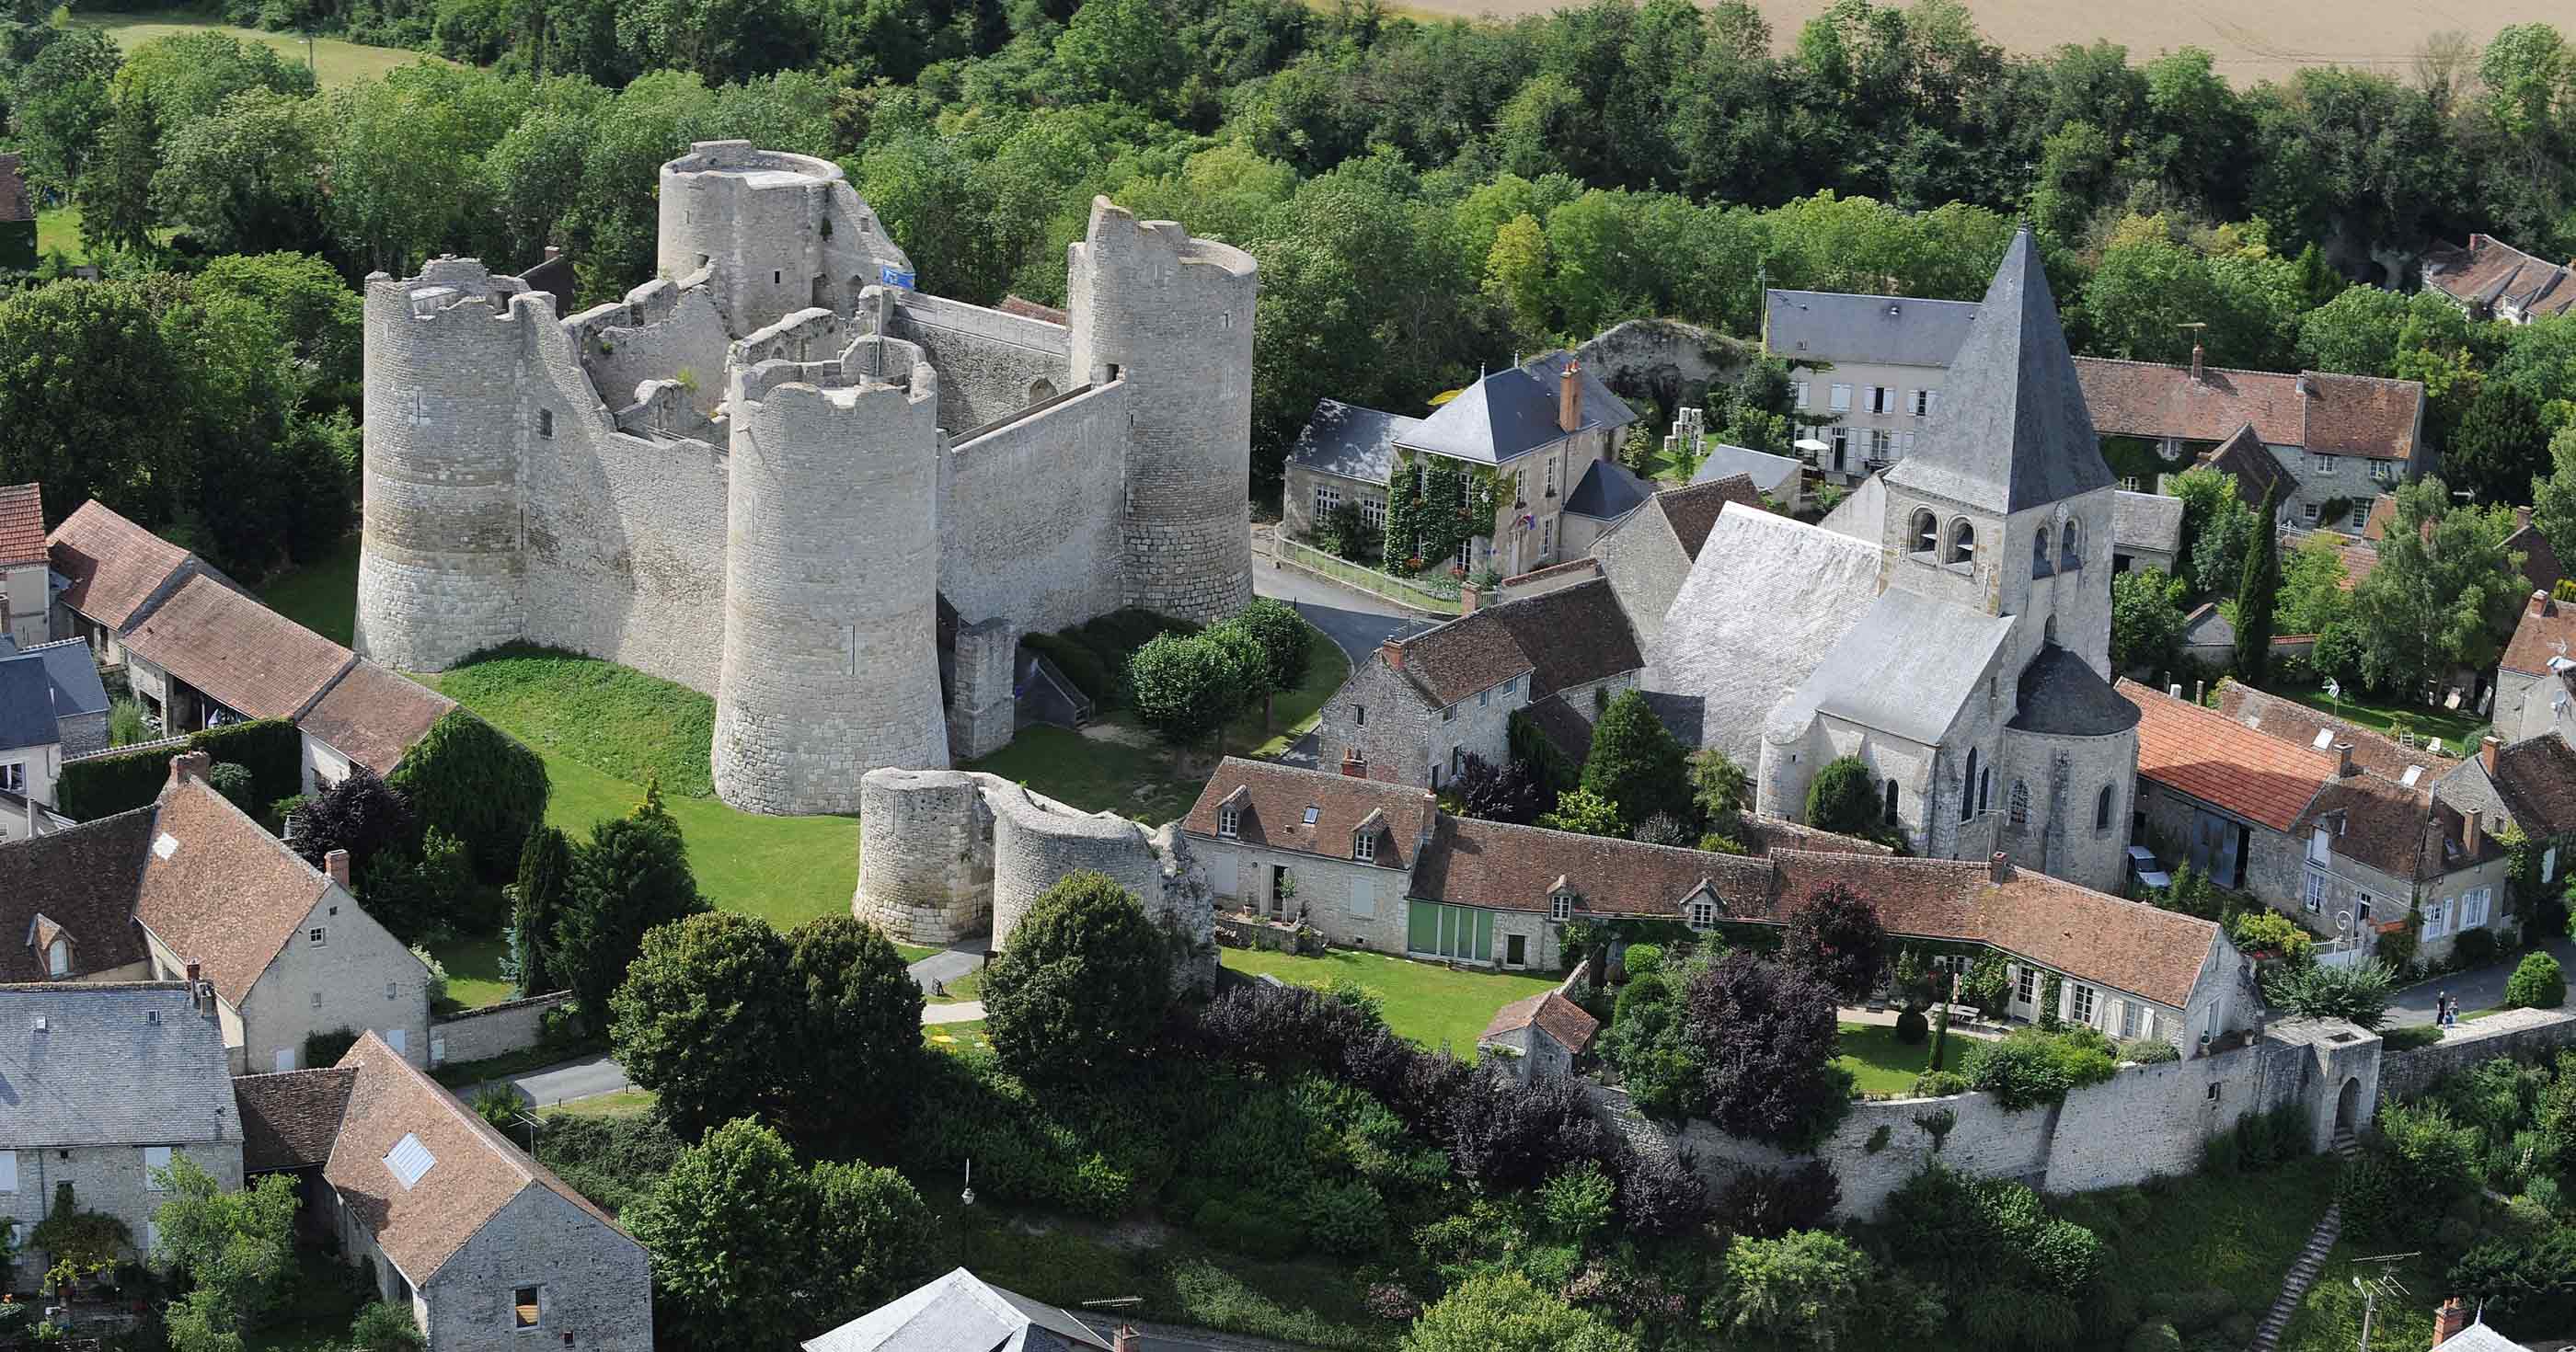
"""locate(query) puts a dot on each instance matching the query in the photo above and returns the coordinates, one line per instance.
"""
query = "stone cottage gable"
(1551, 1014)
(1455, 660)
(81, 880)
(1270, 804)
(220, 891)
(374, 716)
(2406, 834)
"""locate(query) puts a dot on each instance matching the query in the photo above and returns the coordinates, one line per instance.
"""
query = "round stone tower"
(925, 854)
(439, 572)
(831, 659)
(776, 232)
(1171, 318)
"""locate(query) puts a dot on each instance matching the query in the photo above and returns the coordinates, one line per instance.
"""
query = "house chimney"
(553, 253)
(2521, 518)
(1999, 868)
(2343, 759)
(1128, 1340)
(2174, 691)
(1469, 597)
(2487, 754)
(2200, 692)
(336, 863)
(2452, 1317)
(2306, 386)
(2195, 361)
(2471, 822)
(190, 765)
(1569, 398)
(1393, 652)
(2541, 608)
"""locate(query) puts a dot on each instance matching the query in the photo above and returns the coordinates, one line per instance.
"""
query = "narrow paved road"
(546, 1086)
(1358, 621)
(2481, 989)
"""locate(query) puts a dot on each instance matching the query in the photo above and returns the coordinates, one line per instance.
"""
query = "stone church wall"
(1028, 514)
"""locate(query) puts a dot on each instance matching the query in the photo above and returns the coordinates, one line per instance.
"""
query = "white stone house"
(2529, 785)
(2491, 279)
(26, 595)
(107, 1084)
(1866, 371)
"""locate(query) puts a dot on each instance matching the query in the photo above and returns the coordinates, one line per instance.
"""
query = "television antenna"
(2385, 1284)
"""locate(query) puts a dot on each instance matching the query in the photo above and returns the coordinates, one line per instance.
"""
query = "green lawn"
(474, 971)
(964, 988)
(957, 1037)
(1435, 1006)
(322, 595)
(334, 62)
(623, 1103)
(2236, 1232)
(2457, 730)
(1884, 1066)
(616, 719)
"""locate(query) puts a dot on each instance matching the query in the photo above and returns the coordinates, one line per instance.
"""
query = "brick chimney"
(2448, 1320)
(2521, 518)
(1569, 398)
(2195, 361)
(2541, 606)
(1999, 868)
(1393, 652)
(1128, 1340)
(2471, 822)
(336, 863)
(2487, 747)
(189, 765)
(2343, 759)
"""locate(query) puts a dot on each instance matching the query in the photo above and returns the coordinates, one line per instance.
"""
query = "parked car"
(2144, 871)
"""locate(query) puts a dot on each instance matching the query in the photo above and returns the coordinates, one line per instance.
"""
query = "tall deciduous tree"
(236, 1247)
(1763, 1037)
(1082, 986)
(1836, 938)
(855, 1036)
(1187, 687)
(1287, 648)
(2443, 594)
(2258, 593)
(1504, 1312)
(699, 1017)
(2146, 620)
(361, 814)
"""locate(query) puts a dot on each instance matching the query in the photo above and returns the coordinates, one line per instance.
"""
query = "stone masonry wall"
(1028, 523)
(108, 1178)
(594, 1284)
(991, 364)
(2524, 1034)
(926, 854)
(494, 1030)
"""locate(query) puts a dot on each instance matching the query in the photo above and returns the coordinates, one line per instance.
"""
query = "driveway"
(589, 1077)
(1358, 621)
(2481, 989)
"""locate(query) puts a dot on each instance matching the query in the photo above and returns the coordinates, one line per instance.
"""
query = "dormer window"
(1229, 822)
(1560, 906)
(1703, 914)
(58, 958)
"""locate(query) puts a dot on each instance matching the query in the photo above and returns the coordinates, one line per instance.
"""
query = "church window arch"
(1968, 788)
(1985, 789)
(2102, 810)
(2020, 806)
(1924, 532)
(2039, 553)
(2070, 546)
(1963, 542)
(1889, 814)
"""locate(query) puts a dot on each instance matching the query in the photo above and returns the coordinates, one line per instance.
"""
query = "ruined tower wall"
(991, 364)
(1029, 515)
(925, 854)
(775, 232)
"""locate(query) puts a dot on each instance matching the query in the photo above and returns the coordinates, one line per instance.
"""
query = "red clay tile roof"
(1449, 662)
(2383, 510)
(2127, 945)
(1512, 868)
(1572, 636)
(1562, 1019)
(22, 524)
(2299, 725)
(2340, 415)
(2536, 778)
(82, 879)
(2207, 755)
(1693, 510)
(226, 894)
(1766, 835)
(2360, 560)
(2244, 458)
(240, 653)
(2545, 630)
(289, 1119)
(1925, 898)
(1272, 810)
(2489, 270)
(374, 715)
(113, 565)
(475, 1171)
(1029, 309)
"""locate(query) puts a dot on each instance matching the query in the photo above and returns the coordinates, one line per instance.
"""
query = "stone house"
(1420, 706)
(1648, 555)
(1606, 494)
(2491, 279)
(2331, 824)
(1541, 1035)
(192, 888)
(488, 1249)
(2343, 438)
(1866, 371)
(2535, 684)
(1378, 866)
(370, 717)
(1534, 430)
(26, 594)
(2257, 473)
(52, 707)
(2529, 785)
(2146, 531)
(106, 1084)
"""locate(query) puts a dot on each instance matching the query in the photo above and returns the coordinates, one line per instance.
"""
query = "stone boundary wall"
(494, 1030)
(2523, 1034)
(1028, 515)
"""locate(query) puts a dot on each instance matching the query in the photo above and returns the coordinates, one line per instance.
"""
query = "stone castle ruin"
(778, 475)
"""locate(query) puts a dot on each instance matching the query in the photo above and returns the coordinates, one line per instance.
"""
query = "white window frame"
(2327, 464)
(2383, 471)
(1449, 714)
(2129, 1019)
(2026, 986)
(1373, 511)
(1703, 915)
(8, 1171)
(1327, 498)
(2308, 513)
(2081, 1001)
(1798, 393)
(1920, 403)
(1229, 822)
(1364, 847)
(2315, 896)
(2360, 517)
(58, 956)
(2473, 908)
(316, 938)
(13, 777)
(1560, 907)
(1841, 397)
(2437, 918)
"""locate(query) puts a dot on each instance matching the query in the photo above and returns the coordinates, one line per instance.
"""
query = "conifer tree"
(2257, 593)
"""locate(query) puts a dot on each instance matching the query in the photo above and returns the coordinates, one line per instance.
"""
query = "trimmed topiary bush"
(1843, 798)
(1940, 1084)
(2149, 1051)
(2539, 983)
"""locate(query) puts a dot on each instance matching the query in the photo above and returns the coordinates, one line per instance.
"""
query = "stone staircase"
(2312, 1260)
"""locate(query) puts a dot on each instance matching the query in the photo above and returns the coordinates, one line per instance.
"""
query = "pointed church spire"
(2011, 431)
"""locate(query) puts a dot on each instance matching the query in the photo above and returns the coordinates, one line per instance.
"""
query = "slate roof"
(72, 672)
(2011, 430)
(22, 524)
(1564, 728)
(227, 894)
(1879, 330)
(117, 1063)
(241, 654)
(1512, 411)
(1607, 491)
(2146, 521)
(1561, 1019)
(374, 715)
(1450, 661)
(84, 880)
(1907, 668)
(2244, 458)
(2060, 696)
(2207, 755)
(555, 277)
(1272, 811)
(2545, 631)
(290, 1118)
(113, 565)
(2300, 725)
(26, 705)
(1693, 510)
(1767, 598)
(2363, 416)
(1767, 471)
(1351, 441)
(2489, 271)
(961, 1312)
(477, 1171)
(1571, 636)
(2536, 779)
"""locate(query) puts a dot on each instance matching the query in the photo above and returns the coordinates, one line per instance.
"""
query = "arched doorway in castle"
(2348, 1106)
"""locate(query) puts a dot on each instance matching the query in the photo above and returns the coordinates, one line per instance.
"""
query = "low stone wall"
(2523, 1034)
(494, 1030)
(1252, 931)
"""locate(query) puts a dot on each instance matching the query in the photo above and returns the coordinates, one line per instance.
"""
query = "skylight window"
(409, 1159)
(2413, 773)
(165, 846)
(2325, 738)
(1312, 812)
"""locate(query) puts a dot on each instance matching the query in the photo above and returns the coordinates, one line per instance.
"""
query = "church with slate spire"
(1956, 642)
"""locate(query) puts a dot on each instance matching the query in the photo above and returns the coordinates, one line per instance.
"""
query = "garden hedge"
(271, 749)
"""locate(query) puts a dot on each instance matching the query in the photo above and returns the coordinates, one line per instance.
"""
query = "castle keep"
(763, 473)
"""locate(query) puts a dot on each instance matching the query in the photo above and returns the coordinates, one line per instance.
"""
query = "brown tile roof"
(1925, 898)
(240, 653)
(1572, 636)
(2244, 458)
(2489, 270)
(2360, 560)
(2339, 415)
(2209, 756)
(2540, 566)
(222, 892)
(1566, 730)
(1767, 835)
(2383, 510)
(2536, 778)
(22, 524)
(113, 565)
(1693, 510)
(374, 715)
(2296, 723)
(1029, 309)
(289, 1119)
(2545, 630)
(15, 203)
(475, 1172)
(2126, 945)
(2401, 832)
(83, 880)
(1449, 662)
(1562, 1019)
(1272, 810)
(1512, 868)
